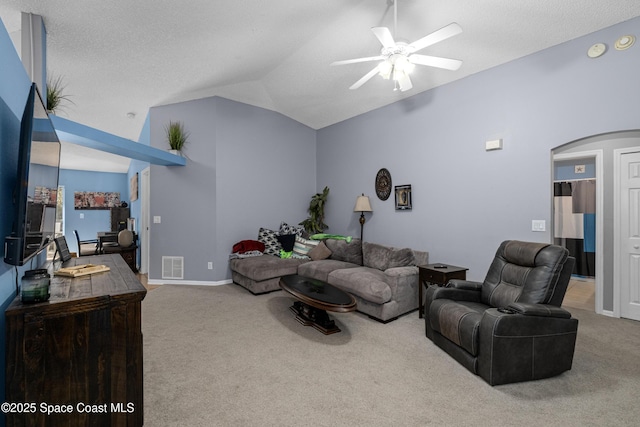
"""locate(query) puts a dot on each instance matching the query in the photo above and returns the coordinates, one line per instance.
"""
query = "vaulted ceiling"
(119, 57)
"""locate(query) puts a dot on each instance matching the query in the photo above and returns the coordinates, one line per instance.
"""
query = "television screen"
(35, 196)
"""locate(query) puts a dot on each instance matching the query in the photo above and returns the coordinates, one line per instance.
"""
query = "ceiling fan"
(398, 58)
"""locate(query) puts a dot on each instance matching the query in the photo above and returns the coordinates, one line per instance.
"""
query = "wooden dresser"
(79, 355)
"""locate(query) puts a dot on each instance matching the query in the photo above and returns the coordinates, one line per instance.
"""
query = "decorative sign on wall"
(403, 197)
(383, 184)
(95, 200)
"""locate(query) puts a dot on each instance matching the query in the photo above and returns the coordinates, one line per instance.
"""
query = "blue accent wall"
(94, 220)
(14, 88)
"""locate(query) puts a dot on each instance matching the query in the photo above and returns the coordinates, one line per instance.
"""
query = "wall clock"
(383, 184)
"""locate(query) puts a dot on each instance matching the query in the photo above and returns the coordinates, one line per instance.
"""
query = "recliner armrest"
(544, 310)
(464, 284)
(455, 294)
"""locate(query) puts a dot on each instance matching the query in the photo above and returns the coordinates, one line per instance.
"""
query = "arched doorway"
(600, 150)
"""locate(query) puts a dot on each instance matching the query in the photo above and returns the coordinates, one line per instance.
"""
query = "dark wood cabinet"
(119, 218)
(80, 352)
(129, 256)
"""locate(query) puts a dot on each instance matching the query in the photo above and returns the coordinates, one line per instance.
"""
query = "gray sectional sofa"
(383, 279)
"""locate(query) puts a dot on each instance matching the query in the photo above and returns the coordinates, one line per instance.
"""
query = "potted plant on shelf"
(315, 223)
(176, 136)
(55, 94)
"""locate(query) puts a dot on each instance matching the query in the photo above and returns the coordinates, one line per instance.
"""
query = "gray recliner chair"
(510, 327)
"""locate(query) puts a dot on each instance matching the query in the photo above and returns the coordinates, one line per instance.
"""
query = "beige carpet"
(219, 356)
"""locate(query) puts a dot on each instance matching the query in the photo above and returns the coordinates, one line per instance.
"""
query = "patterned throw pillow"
(302, 246)
(291, 229)
(270, 240)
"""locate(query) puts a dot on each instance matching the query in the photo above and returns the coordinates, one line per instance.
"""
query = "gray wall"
(466, 200)
(247, 168)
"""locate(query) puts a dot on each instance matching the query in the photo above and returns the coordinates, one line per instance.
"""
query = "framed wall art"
(95, 200)
(403, 197)
(46, 196)
(133, 188)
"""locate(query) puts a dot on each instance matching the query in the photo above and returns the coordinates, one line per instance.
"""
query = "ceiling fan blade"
(404, 82)
(354, 61)
(435, 61)
(435, 37)
(364, 79)
(384, 35)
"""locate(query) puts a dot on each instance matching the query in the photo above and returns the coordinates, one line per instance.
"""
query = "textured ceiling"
(122, 56)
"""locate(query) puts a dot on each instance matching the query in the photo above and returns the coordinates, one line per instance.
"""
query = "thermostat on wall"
(496, 144)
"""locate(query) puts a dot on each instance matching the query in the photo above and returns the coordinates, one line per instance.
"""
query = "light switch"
(156, 220)
(81, 216)
(538, 225)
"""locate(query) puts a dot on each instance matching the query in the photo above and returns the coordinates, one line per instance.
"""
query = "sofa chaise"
(383, 279)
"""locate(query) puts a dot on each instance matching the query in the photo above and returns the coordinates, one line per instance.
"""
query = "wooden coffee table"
(315, 298)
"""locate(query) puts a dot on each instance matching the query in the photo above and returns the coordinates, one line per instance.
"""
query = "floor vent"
(173, 267)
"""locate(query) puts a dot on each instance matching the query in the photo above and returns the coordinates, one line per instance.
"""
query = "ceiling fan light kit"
(399, 59)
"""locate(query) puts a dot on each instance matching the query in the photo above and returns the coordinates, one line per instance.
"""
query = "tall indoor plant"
(315, 223)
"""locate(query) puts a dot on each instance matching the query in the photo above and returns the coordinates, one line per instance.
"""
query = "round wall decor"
(383, 184)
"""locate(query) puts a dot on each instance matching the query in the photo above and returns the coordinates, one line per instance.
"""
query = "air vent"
(173, 267)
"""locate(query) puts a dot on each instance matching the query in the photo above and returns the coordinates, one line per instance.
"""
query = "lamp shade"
(362, 204)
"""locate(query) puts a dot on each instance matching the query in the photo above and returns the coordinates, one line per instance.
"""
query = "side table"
(437, 274)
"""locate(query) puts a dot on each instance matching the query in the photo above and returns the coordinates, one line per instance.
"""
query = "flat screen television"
(35, 194)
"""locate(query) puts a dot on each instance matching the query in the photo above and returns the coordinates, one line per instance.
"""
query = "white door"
(630, 235)
(144, 220)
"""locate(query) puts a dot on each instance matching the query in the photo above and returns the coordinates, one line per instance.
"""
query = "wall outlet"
(157, 220)
(81, 216)
(210, 265)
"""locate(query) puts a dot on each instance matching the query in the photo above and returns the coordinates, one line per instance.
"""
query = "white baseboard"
(608, 313)
(188, 282)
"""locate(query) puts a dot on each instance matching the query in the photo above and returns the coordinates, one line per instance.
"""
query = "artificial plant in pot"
(55, 94)
(176, 136)
(315, 223)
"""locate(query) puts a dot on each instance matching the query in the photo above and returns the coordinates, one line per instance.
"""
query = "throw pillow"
(343, 251)
(302, 246)
(401, 258)
(287, 241)
(291, 229)
(270, 240)
(321, 251)
(375, 256)
(382, 257)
